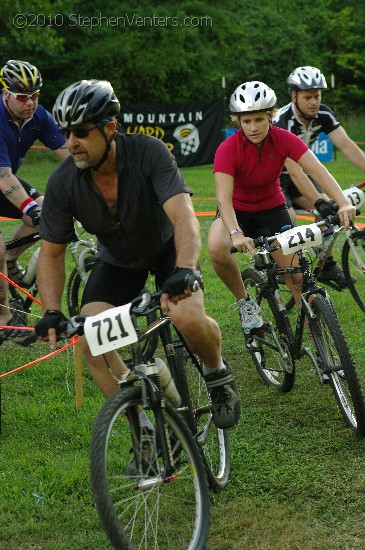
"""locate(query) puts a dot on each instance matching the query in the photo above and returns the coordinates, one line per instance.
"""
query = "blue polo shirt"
(15, 141)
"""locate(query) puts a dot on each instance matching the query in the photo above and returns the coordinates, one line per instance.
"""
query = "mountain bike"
(149, 479)
(352, 254)
(276, 347)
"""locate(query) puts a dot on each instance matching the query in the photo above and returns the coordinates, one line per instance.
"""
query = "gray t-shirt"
(134, 239)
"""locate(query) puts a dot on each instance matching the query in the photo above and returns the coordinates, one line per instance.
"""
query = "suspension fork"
(153, 399)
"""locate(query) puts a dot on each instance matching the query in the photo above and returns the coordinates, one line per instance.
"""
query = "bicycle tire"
(75, 288)
(344, 382)
(275, 366)
(147, 509)
(196, 408)
(355, 273)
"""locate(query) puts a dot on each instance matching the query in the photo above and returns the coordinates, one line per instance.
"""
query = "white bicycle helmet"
(306, 78)
(251, 97)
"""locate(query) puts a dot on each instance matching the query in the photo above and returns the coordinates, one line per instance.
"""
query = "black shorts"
(291, 192)
(7, 208)
(117, 286)
(257, 224)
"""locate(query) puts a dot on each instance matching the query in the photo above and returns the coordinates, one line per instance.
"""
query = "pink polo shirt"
(256, 178)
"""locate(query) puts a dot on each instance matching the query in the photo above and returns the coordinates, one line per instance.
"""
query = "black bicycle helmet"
(85, 101)
(20, 76)
(306, 78)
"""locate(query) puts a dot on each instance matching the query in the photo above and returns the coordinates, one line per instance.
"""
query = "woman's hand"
(243, 244)
(346, 214)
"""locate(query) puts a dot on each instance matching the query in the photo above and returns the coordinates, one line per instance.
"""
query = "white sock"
(221, 366)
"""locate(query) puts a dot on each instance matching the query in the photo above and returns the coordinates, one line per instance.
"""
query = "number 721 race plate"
(110, 330)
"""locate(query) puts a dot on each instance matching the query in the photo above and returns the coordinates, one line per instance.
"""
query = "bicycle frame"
(309, 288)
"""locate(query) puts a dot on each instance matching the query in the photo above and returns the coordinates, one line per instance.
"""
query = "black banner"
(192, 131)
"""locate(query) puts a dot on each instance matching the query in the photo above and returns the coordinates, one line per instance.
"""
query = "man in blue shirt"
(22, 122)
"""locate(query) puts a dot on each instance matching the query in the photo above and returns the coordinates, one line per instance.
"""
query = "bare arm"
(187, 239)
(51, 278)
(187, 232)
(348, 147)
(320, 174)
(62, 153)
(224, 190)
(302, 182)
(11, 187)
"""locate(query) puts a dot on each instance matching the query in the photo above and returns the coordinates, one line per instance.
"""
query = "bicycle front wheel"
(353, 264)
(196, 409)
(337, 364)
(75, 289)
(141, 505)
(269, 349)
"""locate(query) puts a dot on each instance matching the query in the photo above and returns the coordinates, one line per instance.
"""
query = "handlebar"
(142, 305)
(325, 225)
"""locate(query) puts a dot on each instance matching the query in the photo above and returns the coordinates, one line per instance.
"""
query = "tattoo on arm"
(5, 172)
(11, 190)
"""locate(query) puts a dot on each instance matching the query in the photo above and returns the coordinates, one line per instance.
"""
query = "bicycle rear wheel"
(143, 507)
(338, 364)
(353, 264)
(269, 348)
(75, 289)
(213, 441)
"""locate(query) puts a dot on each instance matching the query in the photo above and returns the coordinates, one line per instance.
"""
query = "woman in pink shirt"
(247, 168)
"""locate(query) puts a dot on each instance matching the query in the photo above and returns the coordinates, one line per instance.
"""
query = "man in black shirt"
(306, 116)
(128, 191)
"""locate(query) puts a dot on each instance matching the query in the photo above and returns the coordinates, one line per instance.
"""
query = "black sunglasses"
(79, 133)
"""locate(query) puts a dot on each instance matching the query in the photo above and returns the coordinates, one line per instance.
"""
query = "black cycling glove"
(53, 318)
(183, 278)
(326, 208)
(35, 215)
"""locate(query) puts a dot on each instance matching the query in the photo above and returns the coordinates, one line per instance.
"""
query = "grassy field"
(298, 475)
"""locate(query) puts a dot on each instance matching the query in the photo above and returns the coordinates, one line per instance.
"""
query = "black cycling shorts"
(291, 192)
(267, 223)
(118, 286)
(7, 208)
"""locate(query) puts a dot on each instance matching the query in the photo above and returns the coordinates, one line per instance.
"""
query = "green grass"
(298, 475)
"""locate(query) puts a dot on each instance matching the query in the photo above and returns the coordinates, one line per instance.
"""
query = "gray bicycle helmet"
(306, 78)
(20, 76)
(250, 97)
(85, 101)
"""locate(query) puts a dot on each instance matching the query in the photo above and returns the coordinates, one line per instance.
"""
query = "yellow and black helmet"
(20, 76)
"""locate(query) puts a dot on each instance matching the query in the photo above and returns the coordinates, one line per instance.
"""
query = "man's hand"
(326, 208)
(48, 328)
(180, 285)
(35, 215)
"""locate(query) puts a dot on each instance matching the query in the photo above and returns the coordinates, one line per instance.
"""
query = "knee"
(218, 251)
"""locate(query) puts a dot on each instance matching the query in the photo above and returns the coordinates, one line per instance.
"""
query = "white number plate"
(110, 330)
(356, 196)
(299, 238)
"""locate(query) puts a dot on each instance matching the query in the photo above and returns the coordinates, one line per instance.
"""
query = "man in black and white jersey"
(307, 117)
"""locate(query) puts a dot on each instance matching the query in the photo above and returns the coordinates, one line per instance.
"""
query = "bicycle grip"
(193, 283)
